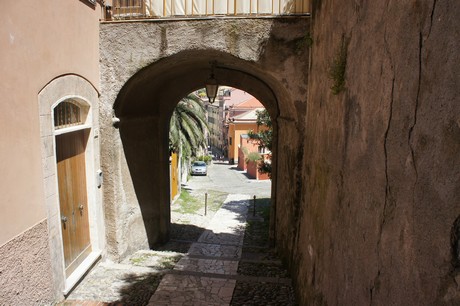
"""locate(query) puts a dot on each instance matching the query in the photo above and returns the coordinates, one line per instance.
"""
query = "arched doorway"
(71, 138)
(70, 157)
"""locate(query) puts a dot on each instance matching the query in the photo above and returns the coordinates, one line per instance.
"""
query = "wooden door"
(71, 169)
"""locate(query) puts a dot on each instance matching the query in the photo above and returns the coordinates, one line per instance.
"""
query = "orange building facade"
(241, 118)
(235, 130)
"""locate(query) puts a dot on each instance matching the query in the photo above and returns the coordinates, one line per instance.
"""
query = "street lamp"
(211, 86)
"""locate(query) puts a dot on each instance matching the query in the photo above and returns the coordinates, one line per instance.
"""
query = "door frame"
(80, 90)
(70, 173)
(85, 106)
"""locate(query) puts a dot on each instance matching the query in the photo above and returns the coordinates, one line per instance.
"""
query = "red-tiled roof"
(237, 97)
(251, 103)
(250, 115)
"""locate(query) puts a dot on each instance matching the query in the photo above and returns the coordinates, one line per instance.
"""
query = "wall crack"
(432, 16)
(387, 182)
(385, 147)
(385, 141)
(417, 102)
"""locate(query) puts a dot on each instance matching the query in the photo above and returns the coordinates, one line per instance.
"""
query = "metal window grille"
(67, 113)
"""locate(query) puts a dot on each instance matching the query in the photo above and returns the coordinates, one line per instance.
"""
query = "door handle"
(64, 219)
(81, 207)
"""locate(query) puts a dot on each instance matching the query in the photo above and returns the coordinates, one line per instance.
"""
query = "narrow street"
(226, 178)
(218, 258)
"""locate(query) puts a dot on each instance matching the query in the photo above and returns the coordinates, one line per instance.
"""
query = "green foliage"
(169, 262)
(338, 67)
(188, 126)
(263, 118)
(194, 204)
(266, 167)
(264, 138)
(305, 41)
(206, 158)
(245, 151)
(201, 93)
(253, 157)
(164, 262)
(188, 204)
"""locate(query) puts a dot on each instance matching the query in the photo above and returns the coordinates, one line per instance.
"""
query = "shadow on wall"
(455, 242)
(449, 289)
(146, 159)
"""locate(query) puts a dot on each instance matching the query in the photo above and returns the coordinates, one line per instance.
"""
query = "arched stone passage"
(156, 89)
(135, 157)
(144, 107)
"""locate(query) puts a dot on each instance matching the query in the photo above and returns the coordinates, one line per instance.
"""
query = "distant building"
(215, 119)
(241, 124)
(230, 103)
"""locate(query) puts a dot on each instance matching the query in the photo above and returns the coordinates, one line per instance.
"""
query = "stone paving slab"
(84, 303)
(107, 282)
(197, 279)
(216, 250)
(215, 238)
(227, 225)
(218, 266)
(243, 278)
(223, 237)
(192, 290)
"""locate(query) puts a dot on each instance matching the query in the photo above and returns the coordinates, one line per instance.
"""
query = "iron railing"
(133, 9)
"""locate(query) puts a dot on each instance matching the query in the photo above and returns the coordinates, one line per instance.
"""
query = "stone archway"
(265, 57)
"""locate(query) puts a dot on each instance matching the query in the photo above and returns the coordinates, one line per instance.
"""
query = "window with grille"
(67, 113)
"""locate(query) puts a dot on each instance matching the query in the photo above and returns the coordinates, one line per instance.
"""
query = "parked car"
(199, 168)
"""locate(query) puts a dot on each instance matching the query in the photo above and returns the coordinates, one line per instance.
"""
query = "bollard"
(205, 203)
(254, 209)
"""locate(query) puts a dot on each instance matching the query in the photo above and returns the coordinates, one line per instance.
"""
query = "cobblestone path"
(218, 269)
(200, 278)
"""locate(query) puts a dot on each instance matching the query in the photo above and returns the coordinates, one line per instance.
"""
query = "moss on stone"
(338, 67)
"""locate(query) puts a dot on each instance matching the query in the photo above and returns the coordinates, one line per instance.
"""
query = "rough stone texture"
(366, 182)
(193, 290)
(379, 188)
(256, 293)
(25, 269)
(148, 66)
(205, 265)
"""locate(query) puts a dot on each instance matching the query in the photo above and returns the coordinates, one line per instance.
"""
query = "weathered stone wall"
(148, 66)
(25, 269)
(380, 182)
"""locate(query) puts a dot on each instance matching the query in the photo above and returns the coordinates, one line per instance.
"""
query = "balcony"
(153, 9)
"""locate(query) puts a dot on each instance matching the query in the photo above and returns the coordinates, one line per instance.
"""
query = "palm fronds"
(188, 126)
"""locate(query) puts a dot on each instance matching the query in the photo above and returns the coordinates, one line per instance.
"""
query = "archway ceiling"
(156, 89)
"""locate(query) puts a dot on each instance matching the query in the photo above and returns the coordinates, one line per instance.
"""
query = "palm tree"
(188, 126)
